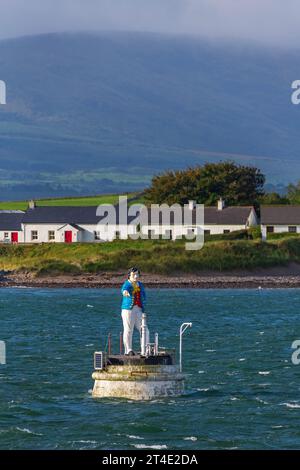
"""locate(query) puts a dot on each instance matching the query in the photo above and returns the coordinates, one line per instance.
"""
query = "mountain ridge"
(142, 103)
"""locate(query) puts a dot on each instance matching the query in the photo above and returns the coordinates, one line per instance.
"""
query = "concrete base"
(138, 382)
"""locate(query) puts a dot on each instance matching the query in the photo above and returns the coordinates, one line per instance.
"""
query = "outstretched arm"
(124, 289)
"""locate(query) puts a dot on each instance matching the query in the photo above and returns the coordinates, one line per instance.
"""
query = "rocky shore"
(280, 277)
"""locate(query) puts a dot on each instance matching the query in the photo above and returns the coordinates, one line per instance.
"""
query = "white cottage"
(69, 224)
(10, 226)
(217, 220)
(279, 219)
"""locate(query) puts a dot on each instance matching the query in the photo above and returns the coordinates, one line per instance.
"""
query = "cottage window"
(97, 235)
(292, 229)
(167, 235)
(51, 235)
(226, 230)
(270, 228)
(6, 235)
(206, 232)
(34, 234)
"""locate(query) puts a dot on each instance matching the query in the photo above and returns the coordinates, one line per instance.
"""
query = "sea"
(239, 357)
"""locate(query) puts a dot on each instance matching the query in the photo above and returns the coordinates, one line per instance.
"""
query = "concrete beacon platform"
(153, 373)
(138, 378)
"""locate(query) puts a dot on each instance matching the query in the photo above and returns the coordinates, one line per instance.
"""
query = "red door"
(68, 236)
(14, 237)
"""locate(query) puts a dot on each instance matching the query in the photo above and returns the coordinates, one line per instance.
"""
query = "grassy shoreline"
(152, 256)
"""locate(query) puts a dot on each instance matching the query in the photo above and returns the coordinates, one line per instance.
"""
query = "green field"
(153, 256)
(72, 201)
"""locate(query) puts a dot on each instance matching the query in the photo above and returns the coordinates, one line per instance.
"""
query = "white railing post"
(2, 352)
(156, 344)
(183, 327)
(144, 335)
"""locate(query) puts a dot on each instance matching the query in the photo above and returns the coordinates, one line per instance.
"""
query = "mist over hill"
(90, 113)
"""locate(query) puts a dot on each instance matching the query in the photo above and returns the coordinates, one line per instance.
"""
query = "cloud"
(268, 21)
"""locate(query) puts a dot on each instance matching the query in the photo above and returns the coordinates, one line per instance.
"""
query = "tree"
(236, 184)
(273, 198)
(293, 193)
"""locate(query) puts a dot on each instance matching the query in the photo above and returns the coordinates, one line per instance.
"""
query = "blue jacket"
(127, 302)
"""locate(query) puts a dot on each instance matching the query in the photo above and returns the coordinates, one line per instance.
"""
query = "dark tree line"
(236, 184)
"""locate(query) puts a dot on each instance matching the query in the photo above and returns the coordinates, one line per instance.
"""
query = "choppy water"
(243, 392)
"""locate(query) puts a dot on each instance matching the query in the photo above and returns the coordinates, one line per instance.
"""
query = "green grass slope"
(73, 201)
(151, 256)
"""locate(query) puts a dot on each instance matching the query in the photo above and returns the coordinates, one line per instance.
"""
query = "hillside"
(133, 198)
(96, 113)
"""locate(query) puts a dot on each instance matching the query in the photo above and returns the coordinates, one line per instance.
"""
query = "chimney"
(31, 204)
(192, 205)
(221, 204)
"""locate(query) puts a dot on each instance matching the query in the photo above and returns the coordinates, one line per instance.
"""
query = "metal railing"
(183, 327)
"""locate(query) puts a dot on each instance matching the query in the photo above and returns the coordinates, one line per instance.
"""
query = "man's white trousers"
(131, 319)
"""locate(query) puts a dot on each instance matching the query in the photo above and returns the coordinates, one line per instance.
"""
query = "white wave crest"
(143, 446)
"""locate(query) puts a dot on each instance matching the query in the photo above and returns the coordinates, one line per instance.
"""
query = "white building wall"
(253, 219)
(277, 229)
(9, 232)
(43, 235)
(106, 233)
(219, 229)
(85, 235)
(178, 230)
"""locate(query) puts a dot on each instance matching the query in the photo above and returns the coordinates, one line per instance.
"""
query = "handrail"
(183, 327)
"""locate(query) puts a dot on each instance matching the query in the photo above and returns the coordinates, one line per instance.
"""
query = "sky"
(272, 22)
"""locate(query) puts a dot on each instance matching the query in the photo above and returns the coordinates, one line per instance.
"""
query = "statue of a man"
(133, 304)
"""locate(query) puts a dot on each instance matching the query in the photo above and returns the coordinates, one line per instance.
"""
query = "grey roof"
(11, 220)
(233, 215)
(11, 211)
(280, 214)
(72, 215)
(77, 227)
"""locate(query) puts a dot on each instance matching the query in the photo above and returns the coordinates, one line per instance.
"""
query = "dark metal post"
(109, 343)
(121, 342)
